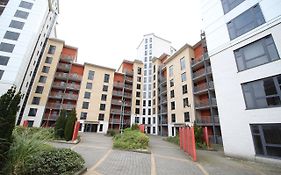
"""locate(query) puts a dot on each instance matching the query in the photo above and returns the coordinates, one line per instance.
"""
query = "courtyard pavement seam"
(153, 165)
(92, 169)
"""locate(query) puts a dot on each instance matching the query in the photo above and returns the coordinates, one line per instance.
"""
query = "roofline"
(103, 67)
(197, 44)
(154, 36)
(57, 40)
(178, 52)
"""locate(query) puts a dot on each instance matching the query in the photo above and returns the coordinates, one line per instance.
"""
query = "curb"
(82, 171)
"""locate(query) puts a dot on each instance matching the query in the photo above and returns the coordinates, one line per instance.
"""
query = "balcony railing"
(162, 111)
(51, 117)
(129, 79)
(71, 96)
(66, 58)
(62, 66)
(61, 75)
(117, 102)
(119, 93)
(196, 61)
(56, 95)
(73, 86)
(121, 85)
(68, 106)
(204, 86)
(53, 105)
(202, 72)
(118, 121)
(130, 73)
(60, 85)
(75, 77)
(118, 111)
(163, 122)
(206, 103)
(207, 120)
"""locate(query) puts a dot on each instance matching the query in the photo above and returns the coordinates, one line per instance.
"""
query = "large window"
(83, 116)
(186, 117)
(106, 78)
(21, 14)
(171, 71)
(42, 79)
(85, 105)
(103, 97)
(26, 5)
(182, 62)
(89, 85)
(263, 93)
(183, 77)
(11, 35)
(6, 47)
(87, 95)
(245, 22)
(39, 89)
(102, 107)
(36, 100)
(173, 118)
(32, 112)
(4, 60)
(267, 139)
(230, 4)
(91, 75)
(257, 53)
(101, 117)
(184, 89)
(173, 105)
(16, 24)
(52, 49)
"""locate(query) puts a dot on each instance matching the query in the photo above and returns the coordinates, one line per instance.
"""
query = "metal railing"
(60, 85)
(75, 77)
(118, 111)
(63, 66)
(66, 58)
(117, 102)
(71, 96)
(51, 117)
(207, 120)
(204, 86)
(53, 105)
(73, 86)
(56, 95)
(201, 72)
(118, 121)
(68, 106)
(206, 103)
(121, 85)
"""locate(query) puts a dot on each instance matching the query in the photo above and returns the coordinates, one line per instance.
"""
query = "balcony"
(71, 96)
(52, 117)
(129, 73)
(59, 85)
(202, 72)
(117, 102)
(162, 80)
(197, 61)
(121, 85)
(62, 76)
(130, 79)
(203, 87)
(68, 106)
(56, 95)
(73, 86)
(118, 121)
(68, 59)
(163, 122)
(206, 103)
(53, 106)
(121, 94)
(75, 77)
(162, 111)
(118, 112)
(207, 120)
(64, 67)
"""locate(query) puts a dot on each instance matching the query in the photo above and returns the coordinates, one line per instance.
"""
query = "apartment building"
(206, 110)
(94, 102)
(56, 85)
(151, 46)
(244, 45)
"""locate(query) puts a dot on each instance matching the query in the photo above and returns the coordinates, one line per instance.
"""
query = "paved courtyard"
(165, 158)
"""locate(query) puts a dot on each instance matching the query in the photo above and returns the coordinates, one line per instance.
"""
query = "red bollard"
(25, 123)
(193, 147)
(206, 137)
(75, 131)
(141, 128)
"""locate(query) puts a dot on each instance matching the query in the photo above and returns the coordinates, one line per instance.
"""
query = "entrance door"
(90, 128)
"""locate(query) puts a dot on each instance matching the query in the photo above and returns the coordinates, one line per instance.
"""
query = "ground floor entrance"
(90, 127)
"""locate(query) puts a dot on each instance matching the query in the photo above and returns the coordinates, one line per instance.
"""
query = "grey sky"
(108, 31)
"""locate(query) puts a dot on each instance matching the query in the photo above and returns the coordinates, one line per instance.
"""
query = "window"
(139, 79)
(173, 105)
(184, 89)
(83, 115)
(154, 68)
(186, 117)
(137, 111)
(145, 46)
(138, 94)
(101, 117)
(32, 112)
(36, 100)
(105, 88)
(102, 107)
(138, 86)
(91, 75)
(4, 60)
(173, 118)
(1, 73)
(30, 123)
(171, 82)
(39, 89)
(6, 47)
(137, 119)
(183, 77)
(245, 22)
(143, 103)
(182, 62)
(21, 14)
(145, 72)
(45, 69)
(143, 120)
(101, 128)
(154, 120)
(146, 40)
(150, 39)
(154, 93)
(145, 52)
(149, 121)
(172, 93)
(16, 24)
(153, 101)
(171, 71)
(150, 46)
(263, 93)
(26, 5)
(154, 77)
(143, 112)
(42, 79)
(267, 139)
(85, 105)
(103, 97)
(11, 35)
(153, 130)
(145, 79)
(185, 102)
(49, 60)
(52, 49)
(87, 95)
(230, 4)
(257, 53)
(137, 102)
(149, 111)
(89, 86)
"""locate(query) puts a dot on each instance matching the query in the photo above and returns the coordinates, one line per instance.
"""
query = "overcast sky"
(108, 31)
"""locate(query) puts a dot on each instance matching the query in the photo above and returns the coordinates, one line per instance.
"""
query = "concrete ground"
(165, 158)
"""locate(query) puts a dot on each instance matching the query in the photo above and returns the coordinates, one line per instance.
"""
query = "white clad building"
(244, 44)
(150, 46)
(25, 26)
